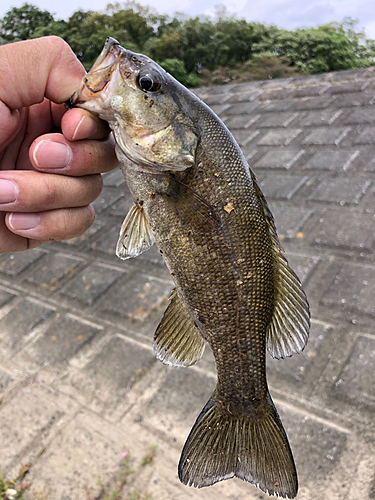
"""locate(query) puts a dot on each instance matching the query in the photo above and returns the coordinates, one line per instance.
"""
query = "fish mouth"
(95, 83)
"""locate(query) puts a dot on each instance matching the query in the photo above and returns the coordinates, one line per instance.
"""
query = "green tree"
(20, 23)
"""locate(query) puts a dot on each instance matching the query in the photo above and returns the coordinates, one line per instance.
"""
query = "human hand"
(47, 180)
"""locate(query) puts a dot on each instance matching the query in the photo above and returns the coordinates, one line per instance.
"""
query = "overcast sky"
(289, 14)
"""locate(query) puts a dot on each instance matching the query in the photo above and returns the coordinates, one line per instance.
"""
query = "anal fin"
(135, 234)
(177, 340)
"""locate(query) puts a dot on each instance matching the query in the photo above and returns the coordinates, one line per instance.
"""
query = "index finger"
(33, 69)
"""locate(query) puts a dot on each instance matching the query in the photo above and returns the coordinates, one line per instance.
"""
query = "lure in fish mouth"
(196, 197)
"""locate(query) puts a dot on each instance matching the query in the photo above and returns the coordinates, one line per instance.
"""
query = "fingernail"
(19, 222)
(52, 155)
(8, 191)
(86, 128)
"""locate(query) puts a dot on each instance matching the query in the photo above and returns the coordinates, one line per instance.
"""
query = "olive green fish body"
(195, 196)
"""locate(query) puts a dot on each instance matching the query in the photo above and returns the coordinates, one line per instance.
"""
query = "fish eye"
(149, 81)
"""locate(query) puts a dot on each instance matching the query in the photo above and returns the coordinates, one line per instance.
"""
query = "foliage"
(195, 50)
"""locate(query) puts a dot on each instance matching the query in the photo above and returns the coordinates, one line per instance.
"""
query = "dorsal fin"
(288, 331)
(177, 340)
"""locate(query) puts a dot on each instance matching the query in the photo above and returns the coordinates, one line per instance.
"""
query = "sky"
(288, 14)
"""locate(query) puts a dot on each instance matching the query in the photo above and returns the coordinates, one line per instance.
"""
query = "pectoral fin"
(135, 234)
(177, 340)
(193, 211)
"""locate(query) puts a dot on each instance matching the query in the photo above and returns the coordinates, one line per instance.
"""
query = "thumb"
(33, 69)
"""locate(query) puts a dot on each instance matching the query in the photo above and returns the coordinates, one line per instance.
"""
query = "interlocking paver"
(282, 187)
(361, 115)
(356, 379)
(312, 103)
(341, 190)
(333, 160)
(24, 316)
(367, 136)
(5, 297)
(316, 118)
(353, 231)
(326, 136)
(107, 198)
(279, 158)
(272, 120)
(13, 264)
(279, 137)
(126, 363)
(91, 283)
(353, 287)
(113, 179)
(289, 220)
(62, 340)
(52, 270)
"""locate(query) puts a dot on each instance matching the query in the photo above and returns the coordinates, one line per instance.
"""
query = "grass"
(12, 489)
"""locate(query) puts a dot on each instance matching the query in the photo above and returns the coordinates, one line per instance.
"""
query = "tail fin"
(255, 449)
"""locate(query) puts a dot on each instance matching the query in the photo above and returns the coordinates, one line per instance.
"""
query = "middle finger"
(29, 191)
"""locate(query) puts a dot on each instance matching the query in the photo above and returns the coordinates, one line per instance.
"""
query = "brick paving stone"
(92, 282)
(346, 230)
(341, 190)
(243, 97)
(273, 95)
(54, 267)
(345, 88)
(302, 265)
(89, 449)
(108, 197)
(316, 118)
(289, 220)
(23, 420)
(326, 136)
(277, 106)
(117, 367)
(121, 207)
(241, 121)
(137, 298)
(311, 91)
(277, 120)
(316, 447)
(279, 158)
(21, 320)
(219, 109)
(312, 103)
(62, 340)
(106, 240)
(366, 137)
(353, 288)
(333, 160)
(114, 178)
(5, 380)
(282, 186)
(14, 263)
(279, 137)
(212, 100)
(178, 402)
(370, 167)
(5, 297)
(361, 115)
(297, 366)
(356, 379)
(244, 136)
(75, 242)
(241, 108)
(356, 99)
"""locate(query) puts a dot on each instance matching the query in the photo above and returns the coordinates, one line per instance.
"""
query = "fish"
(195, 196)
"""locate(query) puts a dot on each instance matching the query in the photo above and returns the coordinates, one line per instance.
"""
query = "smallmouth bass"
(197, 199)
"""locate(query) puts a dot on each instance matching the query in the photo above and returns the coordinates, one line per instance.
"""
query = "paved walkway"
(83, 402)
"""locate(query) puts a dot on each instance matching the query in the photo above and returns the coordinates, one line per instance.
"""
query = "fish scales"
(195, 196)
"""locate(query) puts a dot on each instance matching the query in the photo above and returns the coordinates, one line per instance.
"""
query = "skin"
(47, 179)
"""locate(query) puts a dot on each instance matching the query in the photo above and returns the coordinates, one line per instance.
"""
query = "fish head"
(145, 107)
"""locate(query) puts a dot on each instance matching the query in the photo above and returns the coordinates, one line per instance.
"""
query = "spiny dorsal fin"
(135, 234)
(252, 447)
(288, 331)
(177, 340)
